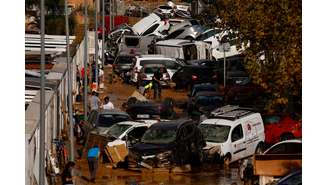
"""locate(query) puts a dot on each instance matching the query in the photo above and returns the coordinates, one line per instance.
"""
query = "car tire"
(286, 136)
(226, 161)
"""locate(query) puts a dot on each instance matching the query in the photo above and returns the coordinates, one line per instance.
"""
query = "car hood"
(152, 149)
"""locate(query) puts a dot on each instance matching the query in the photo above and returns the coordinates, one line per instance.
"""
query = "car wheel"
(226, 161)
(286, 136)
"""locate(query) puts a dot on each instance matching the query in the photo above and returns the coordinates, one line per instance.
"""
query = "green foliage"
(274, 30)
(55, 25)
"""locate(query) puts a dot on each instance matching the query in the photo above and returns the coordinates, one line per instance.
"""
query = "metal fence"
(56, 114)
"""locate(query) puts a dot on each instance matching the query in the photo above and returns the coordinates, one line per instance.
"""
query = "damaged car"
(232, 133)
(168, 144)
(151, 110)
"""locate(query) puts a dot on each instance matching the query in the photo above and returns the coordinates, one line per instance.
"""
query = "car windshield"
(159, 136)
(117, 129)
(208, 100)
(107, 120)
(125, 60)
(215, 133)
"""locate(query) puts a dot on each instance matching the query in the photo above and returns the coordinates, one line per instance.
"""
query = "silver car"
(190, 33)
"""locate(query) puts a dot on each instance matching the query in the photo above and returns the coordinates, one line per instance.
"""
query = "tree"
(273, 28)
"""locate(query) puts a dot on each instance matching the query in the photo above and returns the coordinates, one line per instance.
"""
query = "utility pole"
(85, 60)
(42, 102)
(224, 68)
(96, 42)
(69, 73)
(103, 33)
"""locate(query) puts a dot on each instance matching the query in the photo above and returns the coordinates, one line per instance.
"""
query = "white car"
(151, 25)
(210, 36)
(170, 63)
(127, 132)
(165, 10)
(232, 133)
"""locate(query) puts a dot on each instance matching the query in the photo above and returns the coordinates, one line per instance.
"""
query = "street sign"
(224, 47)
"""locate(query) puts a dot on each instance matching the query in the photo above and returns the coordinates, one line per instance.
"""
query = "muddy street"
(118, 93)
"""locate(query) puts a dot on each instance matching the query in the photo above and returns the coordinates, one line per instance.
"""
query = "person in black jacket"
(67, 178)
(157, 83)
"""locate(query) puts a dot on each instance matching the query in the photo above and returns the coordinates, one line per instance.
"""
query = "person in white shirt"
(107, 105)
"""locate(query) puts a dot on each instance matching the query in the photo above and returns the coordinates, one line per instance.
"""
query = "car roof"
(208, 93)
(112, 111)
(216, 121)
(173, 124)
(133, 123)
(203, 85)
(154, 57)
(282, 142)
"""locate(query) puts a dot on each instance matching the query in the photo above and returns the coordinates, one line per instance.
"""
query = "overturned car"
(168, 144)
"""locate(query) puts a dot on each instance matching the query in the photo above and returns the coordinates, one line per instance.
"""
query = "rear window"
(168, 63)
(209, 100)
(125, 60)
(107, 120)
(151, 70)
(286, 148)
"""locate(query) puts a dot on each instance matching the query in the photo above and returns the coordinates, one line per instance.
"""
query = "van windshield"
(159, 136)
(215, 133)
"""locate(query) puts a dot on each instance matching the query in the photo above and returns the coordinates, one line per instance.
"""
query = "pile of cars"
(220, 125)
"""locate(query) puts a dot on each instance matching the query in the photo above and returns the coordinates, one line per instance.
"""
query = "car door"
(238, 143)
(134, 135)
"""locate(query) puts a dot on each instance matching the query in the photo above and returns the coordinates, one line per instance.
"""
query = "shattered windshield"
(117, 129)
(159, 136)
(215, 133)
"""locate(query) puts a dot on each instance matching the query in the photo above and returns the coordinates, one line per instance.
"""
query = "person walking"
(157, 83)
(94, 101)
(67, 177)
(107, 104)
(93, 156)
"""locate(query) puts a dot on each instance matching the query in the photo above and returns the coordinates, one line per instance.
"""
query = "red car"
(281, 127)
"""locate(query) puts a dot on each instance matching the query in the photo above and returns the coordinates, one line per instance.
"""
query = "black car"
(189, 75)
(203, 103)
(164, 144)
(201, 87)
(235, 69)
(151, 110)
(106, 118)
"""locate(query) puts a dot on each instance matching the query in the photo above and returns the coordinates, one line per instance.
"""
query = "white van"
(232, 133)
(183, 49)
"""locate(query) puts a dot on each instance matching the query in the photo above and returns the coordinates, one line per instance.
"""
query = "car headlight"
(164, 155)
(214, 150)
